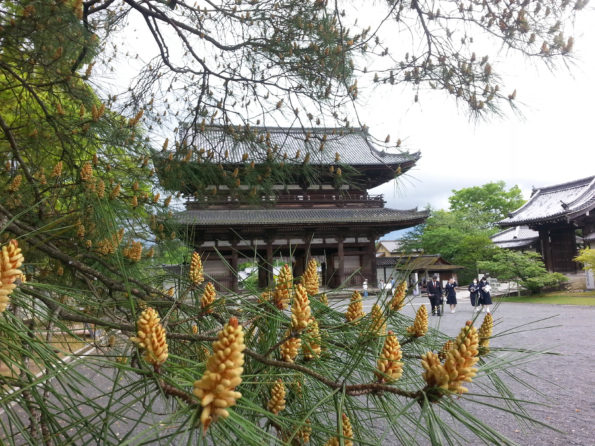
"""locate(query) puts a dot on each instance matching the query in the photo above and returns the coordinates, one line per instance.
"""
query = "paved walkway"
(564, 382)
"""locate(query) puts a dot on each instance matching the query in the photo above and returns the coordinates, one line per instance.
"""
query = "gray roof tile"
(555, 202)
(228, 217)
(352, 145)
(514, 234)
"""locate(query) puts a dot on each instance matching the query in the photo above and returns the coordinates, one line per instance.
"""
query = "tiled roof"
(558, 202)
(391, 245)
(240, 217)
(516, 237)
(419, 262)
(353, 146)
(515, 244)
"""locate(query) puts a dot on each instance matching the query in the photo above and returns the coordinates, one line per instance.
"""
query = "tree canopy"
(84, 112)
(488, 203)
(462, 234)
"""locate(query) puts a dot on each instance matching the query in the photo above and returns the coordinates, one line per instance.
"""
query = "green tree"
(586, 257)
(526, 268)
(462, 234)
(456, 239)
(485, 205)
(80, 197)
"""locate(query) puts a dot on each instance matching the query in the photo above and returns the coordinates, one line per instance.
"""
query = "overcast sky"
(551, 143)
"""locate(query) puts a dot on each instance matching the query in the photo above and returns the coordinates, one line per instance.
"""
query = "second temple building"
(288, 194)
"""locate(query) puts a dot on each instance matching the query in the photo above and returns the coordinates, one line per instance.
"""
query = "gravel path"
(566, 381)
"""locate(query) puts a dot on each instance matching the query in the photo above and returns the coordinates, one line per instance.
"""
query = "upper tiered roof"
(561, 202)
(325, 146)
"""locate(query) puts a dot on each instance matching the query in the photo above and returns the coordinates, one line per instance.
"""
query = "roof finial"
(564, 205)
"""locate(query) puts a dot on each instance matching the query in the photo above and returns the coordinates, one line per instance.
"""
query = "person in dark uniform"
(484, 294)
(474, 295)
(435, 294)
(451, 294)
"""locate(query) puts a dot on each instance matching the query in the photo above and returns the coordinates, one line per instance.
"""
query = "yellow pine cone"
(448, 346)
(196, 269)
(420, 324)
(305, 432)
(290, 349)
(485, 333)
(216, 388)
(208, 297)
(133, 251)
(266, 296)
(460, 360)
(11, 259)
(57, 170)
(115, 192)
(389, 366)
(435, 374)
(324, 299)
(277, 401)
(194, 329)
(86, 172)
(100, 189)
(15, 183)
(398, 301)
(310, 278)
(378, 321)
(300, 310)
(80, 231)
(356, 307)
(311, 345)
(347, 434)
(151, 337)
(284, 288)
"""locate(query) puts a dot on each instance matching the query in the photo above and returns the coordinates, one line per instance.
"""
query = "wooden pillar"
(341, 254)
(329, 271)
(373, 279)
(262, 274)
(269, 263)
(308, 253)
(546, 250)
(234, 267)
(368, 261)
(300, 263)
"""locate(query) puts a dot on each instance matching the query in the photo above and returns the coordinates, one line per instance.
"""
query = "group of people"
(479, 294)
